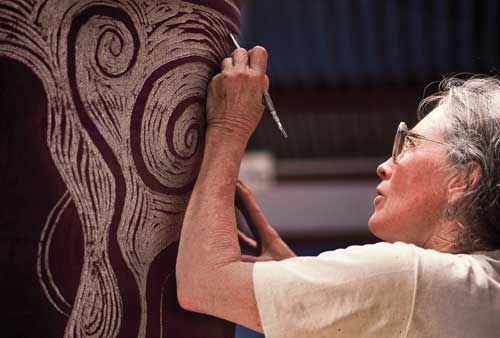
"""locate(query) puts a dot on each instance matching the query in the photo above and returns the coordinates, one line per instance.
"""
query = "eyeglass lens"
(399, 141)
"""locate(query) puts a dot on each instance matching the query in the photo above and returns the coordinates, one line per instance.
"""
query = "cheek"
(404, 195)
(413, 205)
(420, 190)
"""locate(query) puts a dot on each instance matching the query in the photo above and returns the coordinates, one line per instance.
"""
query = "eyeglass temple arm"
(409, 133)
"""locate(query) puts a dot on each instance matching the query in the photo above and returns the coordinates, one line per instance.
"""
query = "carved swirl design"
(126, 84)
(100, 280)
(171, 153)
(111, 55)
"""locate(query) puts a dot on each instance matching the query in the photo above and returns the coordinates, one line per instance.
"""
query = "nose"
(384, 170)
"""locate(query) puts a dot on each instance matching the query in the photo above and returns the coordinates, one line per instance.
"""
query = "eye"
(409, 143)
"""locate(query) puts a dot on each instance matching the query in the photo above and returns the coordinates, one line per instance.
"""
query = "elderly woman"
(437, 273)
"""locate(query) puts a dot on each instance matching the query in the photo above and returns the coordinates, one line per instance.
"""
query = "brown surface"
(101, 135)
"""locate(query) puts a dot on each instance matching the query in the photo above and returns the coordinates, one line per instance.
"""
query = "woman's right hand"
(271, 245)
(234, 102)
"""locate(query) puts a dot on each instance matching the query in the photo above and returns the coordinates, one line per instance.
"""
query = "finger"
(240, 58)
(255, 218)
(254, 259)
(257, 59)
(249, 204)
(243, 188)
(248, 259)
(267, 82)
(227, 63)
(242, 184)
(247, 240)
(250, 223)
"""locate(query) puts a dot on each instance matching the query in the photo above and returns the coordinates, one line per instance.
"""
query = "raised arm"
(212, 276)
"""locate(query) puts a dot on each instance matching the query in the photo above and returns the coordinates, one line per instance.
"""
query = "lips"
(380, 196)
(379, 192)
(377, 200)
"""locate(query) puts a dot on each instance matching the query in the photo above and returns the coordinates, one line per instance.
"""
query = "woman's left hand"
(271, 245)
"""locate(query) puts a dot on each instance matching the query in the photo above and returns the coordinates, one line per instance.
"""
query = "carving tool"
(266, 98)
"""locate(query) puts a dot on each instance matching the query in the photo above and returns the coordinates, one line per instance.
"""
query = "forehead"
(433, 123)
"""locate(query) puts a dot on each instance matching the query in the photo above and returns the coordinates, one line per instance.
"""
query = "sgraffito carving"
(125, 83)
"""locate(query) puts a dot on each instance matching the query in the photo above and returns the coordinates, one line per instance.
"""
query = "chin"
(381, 228)
(374, 228)
(390, 229)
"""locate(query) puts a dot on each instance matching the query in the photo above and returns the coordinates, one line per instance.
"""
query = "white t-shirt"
(381, 290)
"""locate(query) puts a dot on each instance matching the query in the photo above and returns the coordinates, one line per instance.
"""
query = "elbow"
(199, 282)
(187, 298)
(183, 299)
(188, 293)
(182, 285)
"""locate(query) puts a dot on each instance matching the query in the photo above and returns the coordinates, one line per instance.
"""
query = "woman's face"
(413, 193)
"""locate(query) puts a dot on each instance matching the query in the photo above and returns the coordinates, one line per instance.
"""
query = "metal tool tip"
(283, 131)
(233, 39)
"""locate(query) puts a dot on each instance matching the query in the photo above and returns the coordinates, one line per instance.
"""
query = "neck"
(444, 238)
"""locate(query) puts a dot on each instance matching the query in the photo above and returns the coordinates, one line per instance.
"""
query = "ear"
(463, 181)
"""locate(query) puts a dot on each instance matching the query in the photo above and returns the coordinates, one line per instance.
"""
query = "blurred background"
(343, 74)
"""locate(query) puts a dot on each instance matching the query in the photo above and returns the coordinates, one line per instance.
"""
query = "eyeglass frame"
(401, 133)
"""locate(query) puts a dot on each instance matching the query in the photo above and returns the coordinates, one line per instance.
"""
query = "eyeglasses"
(403, 140)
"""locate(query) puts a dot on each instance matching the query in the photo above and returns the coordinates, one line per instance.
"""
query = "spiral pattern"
(171, 125)
(112, 57)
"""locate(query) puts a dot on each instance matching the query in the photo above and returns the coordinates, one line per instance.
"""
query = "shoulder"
(463, 270)
(467, 289)
(338, 290)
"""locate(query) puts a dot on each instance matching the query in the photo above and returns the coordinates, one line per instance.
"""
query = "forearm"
(209, 222)
(209, 253)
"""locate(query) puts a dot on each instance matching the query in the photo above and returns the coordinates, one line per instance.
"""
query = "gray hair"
(473, 131)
